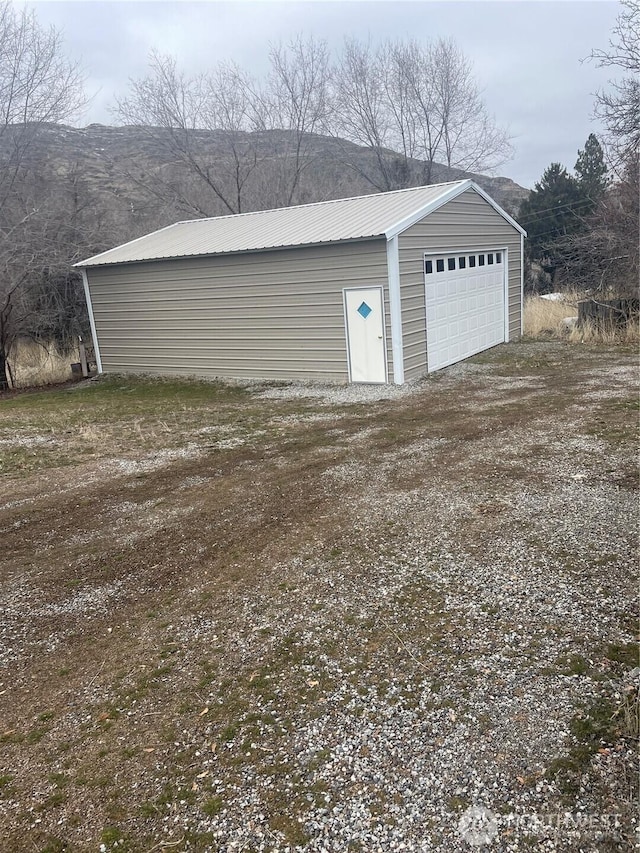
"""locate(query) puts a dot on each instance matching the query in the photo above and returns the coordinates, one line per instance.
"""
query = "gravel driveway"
(262, 618)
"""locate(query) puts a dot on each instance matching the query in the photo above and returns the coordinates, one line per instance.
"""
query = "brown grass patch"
(35, 364)
(591, 333)
(544, 318)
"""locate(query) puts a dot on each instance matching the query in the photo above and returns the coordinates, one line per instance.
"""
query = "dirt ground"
(277, 618)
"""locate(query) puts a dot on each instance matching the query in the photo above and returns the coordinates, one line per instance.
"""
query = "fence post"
(83, 357)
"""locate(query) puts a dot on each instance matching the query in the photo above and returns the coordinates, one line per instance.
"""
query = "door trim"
(395, 310)
(506, 295)
(346, 290)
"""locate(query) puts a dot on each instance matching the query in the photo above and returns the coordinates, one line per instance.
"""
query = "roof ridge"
(318, 203)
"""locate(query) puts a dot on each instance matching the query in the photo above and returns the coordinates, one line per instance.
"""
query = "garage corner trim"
(395, 310)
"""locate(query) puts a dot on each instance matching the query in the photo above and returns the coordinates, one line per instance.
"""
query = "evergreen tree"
(554, 210)
(559, 210)
(591, 171)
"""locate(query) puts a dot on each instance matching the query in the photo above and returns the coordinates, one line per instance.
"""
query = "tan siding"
(467, 222)
(276, 314)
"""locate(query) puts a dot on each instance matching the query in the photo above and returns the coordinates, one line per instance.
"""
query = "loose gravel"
(369, 631)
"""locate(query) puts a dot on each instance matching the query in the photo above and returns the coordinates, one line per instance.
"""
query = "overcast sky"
(526, 55)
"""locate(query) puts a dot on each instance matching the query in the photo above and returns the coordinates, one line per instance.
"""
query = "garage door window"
(461, 263)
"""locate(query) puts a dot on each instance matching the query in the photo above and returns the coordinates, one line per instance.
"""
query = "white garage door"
(465, 301)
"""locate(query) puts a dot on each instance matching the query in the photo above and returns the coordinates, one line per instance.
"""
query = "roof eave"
(88, 265)
(88, 262)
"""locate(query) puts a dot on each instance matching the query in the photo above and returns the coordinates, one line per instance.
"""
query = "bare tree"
(231, 106)
(42, 298)
(421, 119)
(296, 106)
(619, 106)
(604, 257)
(407, 102)
(471, 139)
(412, 106)
(171, 107)
(362, 114)
(261, 133)
(38, 86)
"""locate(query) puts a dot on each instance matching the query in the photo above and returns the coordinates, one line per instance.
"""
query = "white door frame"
(346, 290)
(473, 250)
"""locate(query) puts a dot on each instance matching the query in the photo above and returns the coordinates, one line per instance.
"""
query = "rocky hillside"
(132, 172)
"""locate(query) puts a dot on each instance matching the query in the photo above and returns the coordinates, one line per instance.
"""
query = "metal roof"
(379, 215)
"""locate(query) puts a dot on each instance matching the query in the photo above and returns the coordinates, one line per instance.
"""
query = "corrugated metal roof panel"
(322, 222)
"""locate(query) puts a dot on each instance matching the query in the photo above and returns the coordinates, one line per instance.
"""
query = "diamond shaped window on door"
(364, 310)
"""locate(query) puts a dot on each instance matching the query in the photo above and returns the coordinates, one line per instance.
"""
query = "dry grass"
(592, 333)
(544, 318)
(39, 364)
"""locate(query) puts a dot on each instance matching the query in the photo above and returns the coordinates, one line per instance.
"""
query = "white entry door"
(465, 303)
(364, 317)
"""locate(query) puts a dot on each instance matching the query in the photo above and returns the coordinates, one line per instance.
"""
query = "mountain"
(128, 180)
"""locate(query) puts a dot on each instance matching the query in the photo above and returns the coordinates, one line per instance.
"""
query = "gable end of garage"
(467, 220)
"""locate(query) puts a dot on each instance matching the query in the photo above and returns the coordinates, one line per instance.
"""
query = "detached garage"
(379, 288)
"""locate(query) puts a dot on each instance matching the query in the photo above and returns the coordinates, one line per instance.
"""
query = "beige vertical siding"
(467, 222)
(274, 314)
